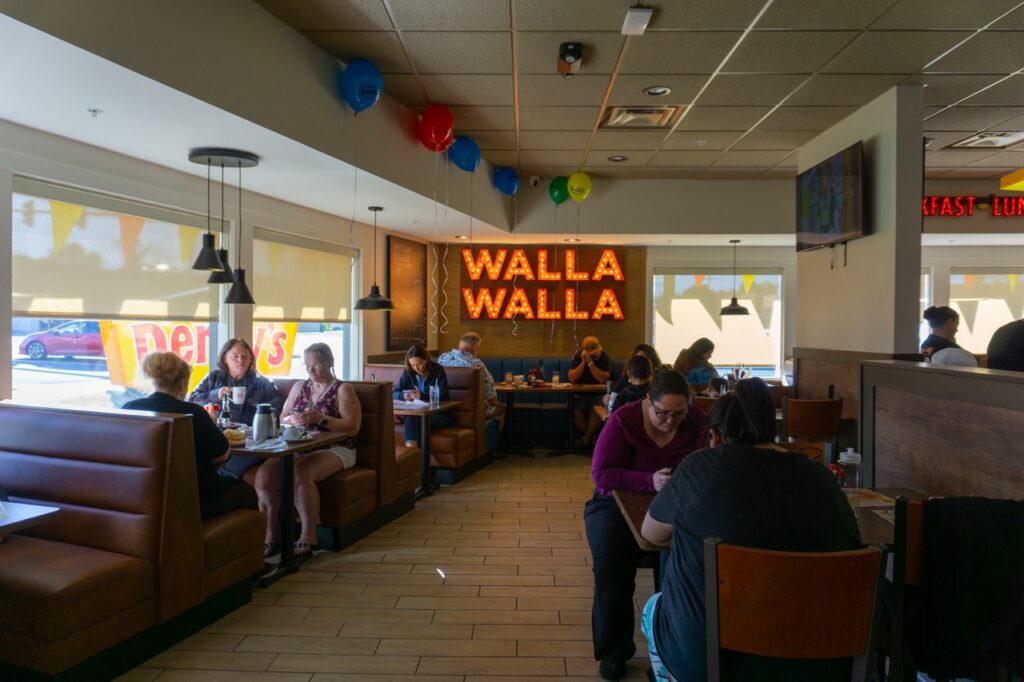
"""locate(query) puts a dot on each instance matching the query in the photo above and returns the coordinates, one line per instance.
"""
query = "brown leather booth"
(355, 502)
(459, 449)
(126, 567)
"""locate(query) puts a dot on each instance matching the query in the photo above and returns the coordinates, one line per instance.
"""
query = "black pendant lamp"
(374, 301)
(239, 293)
(227, 275)
(208, 259)
(734, 307)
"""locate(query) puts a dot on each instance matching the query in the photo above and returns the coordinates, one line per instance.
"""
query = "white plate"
(300, 439)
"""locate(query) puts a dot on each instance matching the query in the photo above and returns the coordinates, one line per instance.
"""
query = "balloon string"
(515, 324)
(355, 190)
(444, 264)
(434, 270)
(555, 263)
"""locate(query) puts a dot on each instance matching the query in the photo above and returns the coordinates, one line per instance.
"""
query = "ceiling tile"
(452, 15)
(761, 159)
(469, 90)
(818, 15)
(805, 118)
(381, 48)
(971, 118)
(1010, 92)
(987, 52)
(684, 52)
(448, 52)
(554, 139)
(331, 15)
(558, 118)
(571, 15)
(634, 157)
(953, 159)
(551, 158)
(1013, 20)
(611, 173)
(484, 118)
(789, 161)
(975, 173)
(684, 158)
(942, 139)
(1014, 124)
(656, 173)
(501, 158)
(894, 51)
(763, 139)
(553, 90)
(840, 90)
(721, 118)
(936, 172)
(702, 140)
(732, 173)
(547, 172)
(493, 140)
(945, 89)
(787, 51)
(937, 14)
(777, 174)
(1004, 160)
(704, 14)
(538, 51)
(629, 89)
(405, 88)
(749, 89)
(628, 139)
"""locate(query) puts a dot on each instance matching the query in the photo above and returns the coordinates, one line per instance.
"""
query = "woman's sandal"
(304, 550)
(271, 549)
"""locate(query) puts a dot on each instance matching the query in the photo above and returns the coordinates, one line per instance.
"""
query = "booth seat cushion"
(232, 545)
(347, 495)
(454, 440)
(50, 590)
(408, 462)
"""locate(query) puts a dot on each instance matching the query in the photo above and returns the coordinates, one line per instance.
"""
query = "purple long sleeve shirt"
(625, 457)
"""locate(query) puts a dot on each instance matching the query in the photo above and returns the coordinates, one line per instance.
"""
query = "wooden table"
(405, 409)
(18, 515)
(510, 390)
(286, 514)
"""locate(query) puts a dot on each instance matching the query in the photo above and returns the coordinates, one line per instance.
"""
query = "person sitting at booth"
(590, 365)
(466, 356)
(638, 379)
(420, 374)
(1006, 349)
(694, 363)
(943, 322)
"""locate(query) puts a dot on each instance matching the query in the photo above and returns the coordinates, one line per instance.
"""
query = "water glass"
(435, 394)
(509, 377)
(556, 378)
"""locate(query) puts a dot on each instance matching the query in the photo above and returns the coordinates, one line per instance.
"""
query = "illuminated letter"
(542, 268)
(519, 304)
(608, 265)
(570, 305)
(542, 307)
(570, 269)
(518, 265)
(608, 305)
(483, 260)
(483, 298)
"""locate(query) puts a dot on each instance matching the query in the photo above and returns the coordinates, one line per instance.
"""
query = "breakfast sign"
(541, 283)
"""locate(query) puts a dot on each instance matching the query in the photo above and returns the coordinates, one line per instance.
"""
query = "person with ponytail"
(943, 322)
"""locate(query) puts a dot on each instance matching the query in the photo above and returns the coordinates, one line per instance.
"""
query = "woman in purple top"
(636, 451)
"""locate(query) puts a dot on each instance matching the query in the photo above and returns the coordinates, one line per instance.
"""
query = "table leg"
(657, 569)
(506, 437)
(571, 406)
(426, 485)
(286, 518)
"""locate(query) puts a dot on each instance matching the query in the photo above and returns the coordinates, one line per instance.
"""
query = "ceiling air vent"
(642, 117)
(989, 140)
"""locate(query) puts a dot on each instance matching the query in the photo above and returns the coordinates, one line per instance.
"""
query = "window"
(687, 305)
(926, 301)
(303, 290)
(986, 300)
(98, 282)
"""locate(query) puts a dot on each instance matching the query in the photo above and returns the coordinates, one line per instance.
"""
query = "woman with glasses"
(640, 445)
(320, 403)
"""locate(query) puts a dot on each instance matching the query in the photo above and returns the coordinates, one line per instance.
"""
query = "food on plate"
(234, 436)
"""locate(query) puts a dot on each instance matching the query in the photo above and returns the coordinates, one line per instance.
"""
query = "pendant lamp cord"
(375, 247)
(208, 197)
(239, 214)
(734, 271)
(222, 200)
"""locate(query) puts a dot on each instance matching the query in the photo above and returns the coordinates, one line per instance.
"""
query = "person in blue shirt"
(420, 374)
(694, 363)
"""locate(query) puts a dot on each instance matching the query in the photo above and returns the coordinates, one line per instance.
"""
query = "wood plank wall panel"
(535, 338)
(815, 375)
(943, 447)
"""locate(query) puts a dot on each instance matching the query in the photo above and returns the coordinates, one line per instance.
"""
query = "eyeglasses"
(310, 366)
(668, 414)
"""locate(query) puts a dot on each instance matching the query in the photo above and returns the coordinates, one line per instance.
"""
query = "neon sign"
(964, 206)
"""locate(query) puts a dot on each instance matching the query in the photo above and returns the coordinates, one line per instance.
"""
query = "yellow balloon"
(579, 186)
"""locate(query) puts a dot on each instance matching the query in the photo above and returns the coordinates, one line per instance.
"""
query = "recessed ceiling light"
(657, 91)
(571, 239)
(462, 236)
(618, 158)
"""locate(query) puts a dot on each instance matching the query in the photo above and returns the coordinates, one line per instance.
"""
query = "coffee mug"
(238, 395)
(520, 378)
(292, 433)
(409, 396)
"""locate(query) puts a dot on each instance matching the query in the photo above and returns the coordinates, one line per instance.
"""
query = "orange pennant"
(131, 228)
(63, 218)
(969, 281)
(698, 279)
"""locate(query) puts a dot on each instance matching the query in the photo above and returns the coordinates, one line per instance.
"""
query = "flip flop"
(304, 550)
(271, 549)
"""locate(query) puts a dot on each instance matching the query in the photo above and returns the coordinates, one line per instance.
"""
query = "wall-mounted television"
(830, 200)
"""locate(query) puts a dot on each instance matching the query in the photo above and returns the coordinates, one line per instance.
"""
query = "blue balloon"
(361, 85)
(465, 153)
(506, 180)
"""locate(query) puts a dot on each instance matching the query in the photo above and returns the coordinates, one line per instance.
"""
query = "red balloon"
(436, 129)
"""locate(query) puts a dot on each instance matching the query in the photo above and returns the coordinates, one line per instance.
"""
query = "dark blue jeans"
(412, 425)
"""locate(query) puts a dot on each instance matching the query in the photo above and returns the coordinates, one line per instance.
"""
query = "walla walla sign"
(541, 283)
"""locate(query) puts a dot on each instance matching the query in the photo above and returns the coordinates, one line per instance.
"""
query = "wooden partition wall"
(820, 373)
(943, 430)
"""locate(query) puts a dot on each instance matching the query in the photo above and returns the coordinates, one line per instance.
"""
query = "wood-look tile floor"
(486, 581)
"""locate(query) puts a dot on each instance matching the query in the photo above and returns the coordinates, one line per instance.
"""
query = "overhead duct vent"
(990, 140)
(642, 117)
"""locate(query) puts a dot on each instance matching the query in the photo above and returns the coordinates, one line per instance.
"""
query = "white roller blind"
(300, 280)
(81, 254)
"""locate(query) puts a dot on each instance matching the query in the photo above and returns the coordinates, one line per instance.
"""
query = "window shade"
(300, 280)
(78, 254)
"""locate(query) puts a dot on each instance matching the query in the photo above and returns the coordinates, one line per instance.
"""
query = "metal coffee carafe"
(264, 424)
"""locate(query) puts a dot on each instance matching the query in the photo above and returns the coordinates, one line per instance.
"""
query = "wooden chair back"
(812, 419)
(819, 451)
(906, 571)
(704, 403)
(798, 605)
(779, 392)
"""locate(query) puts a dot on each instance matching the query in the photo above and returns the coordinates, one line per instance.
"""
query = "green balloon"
(558, 190)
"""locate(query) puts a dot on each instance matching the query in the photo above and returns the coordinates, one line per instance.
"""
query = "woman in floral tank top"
(321, 403)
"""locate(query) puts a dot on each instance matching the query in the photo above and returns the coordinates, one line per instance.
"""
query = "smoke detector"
(642, 117)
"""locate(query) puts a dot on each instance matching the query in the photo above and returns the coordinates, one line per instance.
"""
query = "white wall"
(870, 304)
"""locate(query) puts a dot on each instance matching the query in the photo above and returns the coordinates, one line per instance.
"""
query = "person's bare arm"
(599, 374)
(289, 405)
(348, 405)
(575, 373)
(656, 532)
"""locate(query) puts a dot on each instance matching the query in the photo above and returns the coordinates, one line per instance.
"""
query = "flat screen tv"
(830, 200)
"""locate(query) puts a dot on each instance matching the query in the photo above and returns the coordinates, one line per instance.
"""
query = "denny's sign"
(541, 283)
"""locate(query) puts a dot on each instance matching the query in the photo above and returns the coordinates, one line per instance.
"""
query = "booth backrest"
(125, 482)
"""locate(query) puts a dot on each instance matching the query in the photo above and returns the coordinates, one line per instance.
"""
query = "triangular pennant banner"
(63, 218)
(969, 312)
(187, 239)
(274, 253)
(748, 281)
(1013, 282)
(131, 228)
(969, 281)
(698, 279)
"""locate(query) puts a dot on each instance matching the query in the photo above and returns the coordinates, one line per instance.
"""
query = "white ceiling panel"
(702, 140)
(380, 47)
(598, 157)
(553, 90)
(1009, 92)
(805, 118)
(460, 52)
(553, 139)
(571, 15)
(988, 52)
(818, 15)
(971, 118)
(468, 89)
(538, 51)
(745, 89)
(843, 90)
(493, 140)
(678, 52)
(742, 159)
(558, 118)
(452, 15)
(721, 118)
(1005, 160)
(629, 89)
(894, 51)
(628, 139)
(484, 118)
(786, 51)
(780, 139)
(938, 14)
(956, 158)
(703, 15)
(536, 157)
(331, 15)
(685, 158)
(943, 89)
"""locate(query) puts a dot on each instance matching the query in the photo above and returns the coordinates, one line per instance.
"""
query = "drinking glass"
(509, 377)
(556, 378)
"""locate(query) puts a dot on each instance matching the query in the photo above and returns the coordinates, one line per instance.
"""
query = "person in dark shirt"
(420, 374)
(1006, 349)
(590, 365)
(217, 495)
(748, 492)
(638, 375)
(943, 322)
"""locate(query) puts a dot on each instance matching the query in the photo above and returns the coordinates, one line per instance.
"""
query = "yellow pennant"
(187, 240)
(748, 281)
(64, 216)
(1013, 281)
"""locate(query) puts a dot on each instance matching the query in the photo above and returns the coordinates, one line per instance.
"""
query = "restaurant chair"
(906, 572)
(812, 420)
(819, 451)
(779, 392)
(703, 402)
(792, 605)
